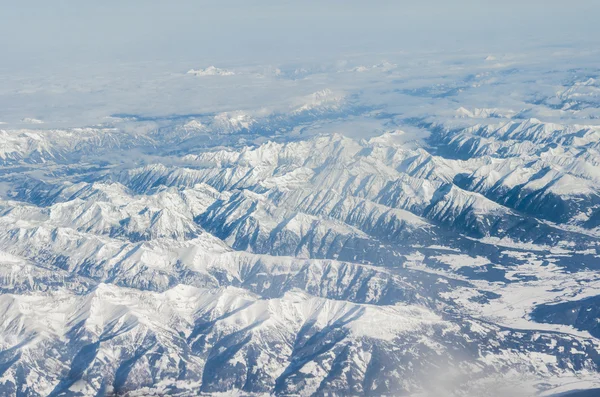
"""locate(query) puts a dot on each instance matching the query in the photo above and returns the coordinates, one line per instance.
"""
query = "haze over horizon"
(55, 33)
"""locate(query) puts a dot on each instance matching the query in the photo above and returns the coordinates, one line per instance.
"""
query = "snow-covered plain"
(407, 224)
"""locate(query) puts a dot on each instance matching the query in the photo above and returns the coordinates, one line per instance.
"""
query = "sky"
(50, 34)
(72, 63)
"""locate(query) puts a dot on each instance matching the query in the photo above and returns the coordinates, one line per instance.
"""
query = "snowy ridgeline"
(247, 252)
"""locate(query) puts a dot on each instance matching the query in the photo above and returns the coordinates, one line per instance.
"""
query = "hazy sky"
(74, 62)
(50, 33)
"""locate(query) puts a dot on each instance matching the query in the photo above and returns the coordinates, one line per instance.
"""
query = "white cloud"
(211, 71)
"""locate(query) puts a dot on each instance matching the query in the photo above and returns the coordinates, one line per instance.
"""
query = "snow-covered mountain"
(390, 235)
(321, 265)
